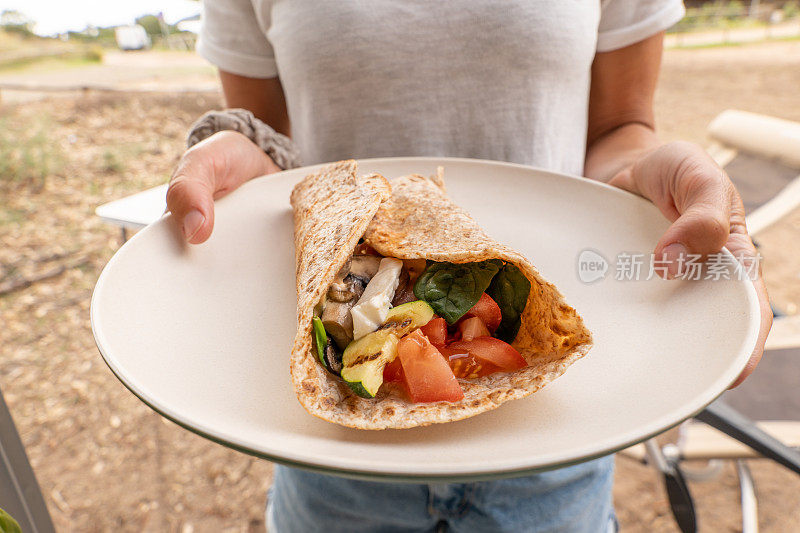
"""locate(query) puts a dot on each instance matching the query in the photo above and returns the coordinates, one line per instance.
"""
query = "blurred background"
(95, 101)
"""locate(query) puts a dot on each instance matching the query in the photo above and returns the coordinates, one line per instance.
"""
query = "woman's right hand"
(209, 170)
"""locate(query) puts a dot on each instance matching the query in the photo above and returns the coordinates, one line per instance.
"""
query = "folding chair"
(20, 495)
(135, 211)
(762, 156)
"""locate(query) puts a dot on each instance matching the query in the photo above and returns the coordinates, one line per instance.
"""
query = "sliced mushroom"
(345, 270)
(405, 290)
(342, 290)
(402, 281)
(333, 358)
(343, 293)
(364, 267)
(338, 321)
(412, 268)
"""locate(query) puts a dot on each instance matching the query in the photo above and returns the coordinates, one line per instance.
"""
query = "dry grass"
(19, 52)
(104, 460)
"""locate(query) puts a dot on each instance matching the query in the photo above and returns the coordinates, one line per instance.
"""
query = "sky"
(56, 16)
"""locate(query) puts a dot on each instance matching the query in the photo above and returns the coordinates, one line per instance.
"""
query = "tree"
(150, 23)
(14, 21)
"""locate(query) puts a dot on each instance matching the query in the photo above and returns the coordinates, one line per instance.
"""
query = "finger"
(702, 196)
(742, 248)
(190, 198)
(701, 230)
(765, 326)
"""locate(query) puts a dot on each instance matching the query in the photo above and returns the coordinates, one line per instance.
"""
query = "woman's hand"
(207, 171)
(693, 192)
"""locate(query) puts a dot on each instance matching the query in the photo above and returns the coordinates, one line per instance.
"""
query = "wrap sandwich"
(408, 313)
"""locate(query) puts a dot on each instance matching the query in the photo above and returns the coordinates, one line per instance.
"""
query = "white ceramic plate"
(202, 334)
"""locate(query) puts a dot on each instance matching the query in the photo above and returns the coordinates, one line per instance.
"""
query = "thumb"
(211, 169)
(693, 192)
(702, 228)
(190, 198)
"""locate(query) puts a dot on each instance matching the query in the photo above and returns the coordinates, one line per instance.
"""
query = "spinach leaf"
(510, 289)
(453, 288)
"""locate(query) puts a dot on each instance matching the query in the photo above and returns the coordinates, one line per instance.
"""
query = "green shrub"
(791, 9)
(28, 156)
(94, 53)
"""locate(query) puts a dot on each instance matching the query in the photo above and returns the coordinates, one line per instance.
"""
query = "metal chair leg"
(20, 494)
(728, 420)
(680, 499)
(749, 502)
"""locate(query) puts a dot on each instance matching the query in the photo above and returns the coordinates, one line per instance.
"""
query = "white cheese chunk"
(371, 309)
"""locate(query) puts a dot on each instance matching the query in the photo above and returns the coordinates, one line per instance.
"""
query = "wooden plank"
(776, 208)
(702, 442)
(769, 137)
(722, 154)
(785, 333)
(637, 452)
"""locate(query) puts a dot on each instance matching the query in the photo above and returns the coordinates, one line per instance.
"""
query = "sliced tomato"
(487, 310)
(428, 377)
(452, 334)
(471, 328)
(493, 351)
(393, 372)
(436, 331)
(465, 366)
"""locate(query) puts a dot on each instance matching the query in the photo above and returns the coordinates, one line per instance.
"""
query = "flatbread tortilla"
(409, 218)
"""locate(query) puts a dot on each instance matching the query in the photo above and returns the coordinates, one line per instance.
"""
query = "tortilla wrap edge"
(397, 218)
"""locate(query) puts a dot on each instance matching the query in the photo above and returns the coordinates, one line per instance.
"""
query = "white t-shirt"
(506, 80)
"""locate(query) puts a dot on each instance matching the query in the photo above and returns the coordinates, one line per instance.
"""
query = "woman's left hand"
(706, 212)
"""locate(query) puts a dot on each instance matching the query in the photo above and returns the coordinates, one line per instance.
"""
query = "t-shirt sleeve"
(624, 22)
(232, 39)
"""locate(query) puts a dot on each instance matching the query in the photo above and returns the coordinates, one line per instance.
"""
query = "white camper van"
(132, 37)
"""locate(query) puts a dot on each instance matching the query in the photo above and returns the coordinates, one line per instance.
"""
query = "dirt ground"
(140, 71)
(104, 460)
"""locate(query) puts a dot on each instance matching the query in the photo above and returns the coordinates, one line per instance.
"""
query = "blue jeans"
(575, 499)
